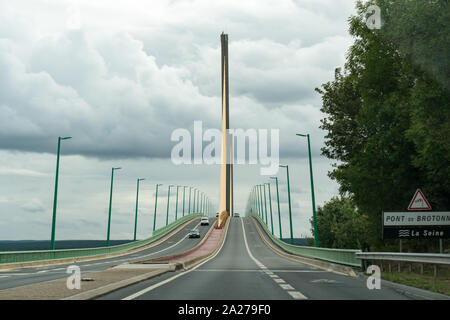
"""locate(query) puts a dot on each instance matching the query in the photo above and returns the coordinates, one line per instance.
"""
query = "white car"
(204, 221)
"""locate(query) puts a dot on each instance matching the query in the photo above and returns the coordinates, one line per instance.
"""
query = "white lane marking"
(148, 289)
(274, 277)
(42, 271)
(297, 295)
(287, 287)
(279, 280)
(4, 276)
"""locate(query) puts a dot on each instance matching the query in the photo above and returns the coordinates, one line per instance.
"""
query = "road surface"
(177, 243)
(245, 268)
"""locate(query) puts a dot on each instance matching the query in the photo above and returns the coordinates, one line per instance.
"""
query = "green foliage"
(341, 225)
(388, 112)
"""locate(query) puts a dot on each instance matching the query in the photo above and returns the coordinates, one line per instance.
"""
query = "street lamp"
(265, 203)
(190, 191)
(270, 206)
(176, 205)
(137, 203)
(316, 236)
(260, 203)
(110, 204)
(156, 203)
(289, 201)
(184, 191)
(52, 242)
(168, 202)
(278, 200)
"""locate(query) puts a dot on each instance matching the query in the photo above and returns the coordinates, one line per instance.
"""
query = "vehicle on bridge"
(204, 221)
(194, 233)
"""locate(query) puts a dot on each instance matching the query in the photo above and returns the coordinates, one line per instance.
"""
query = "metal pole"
(265, 203)
(190, 191)
(289, 201)
(316, 235)
(278, 200)
(137, 204)
(168, 203)
(55, 197)
(110, 205)
(184, 191)
(270, 206)
(176, 205)
(260, 202)
(193, 201)
(156, 204)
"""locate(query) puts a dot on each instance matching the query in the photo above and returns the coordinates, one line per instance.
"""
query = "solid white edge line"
(156, 285)
(294, 294)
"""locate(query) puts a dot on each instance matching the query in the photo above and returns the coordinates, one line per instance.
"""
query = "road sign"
(419, 202)
(414, 232)
(413, 225)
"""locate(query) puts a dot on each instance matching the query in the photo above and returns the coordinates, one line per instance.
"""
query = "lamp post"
(289, 201)
(190, 191)
(278, 200)
(110, 204)
(316, 235)
(270, 206)
(198, 195)
(156, 204)
(265, 203)
(260, 203)
(184, 191)
(193, 201)
(176, 205)
(55, 197)
(168, 203)
(137, 204)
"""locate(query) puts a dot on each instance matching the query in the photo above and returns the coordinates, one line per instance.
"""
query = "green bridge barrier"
(341, 256)
(42, 255)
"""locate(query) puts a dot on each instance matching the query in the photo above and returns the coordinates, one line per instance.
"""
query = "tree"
(341, 225)
(388, 114)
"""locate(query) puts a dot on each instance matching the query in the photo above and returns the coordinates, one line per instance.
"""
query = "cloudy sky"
(121, 76)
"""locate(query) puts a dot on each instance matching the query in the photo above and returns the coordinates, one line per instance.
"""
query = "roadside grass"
(410, 275)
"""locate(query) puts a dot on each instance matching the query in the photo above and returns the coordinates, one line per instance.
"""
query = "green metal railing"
(341, 256)
(42, 255)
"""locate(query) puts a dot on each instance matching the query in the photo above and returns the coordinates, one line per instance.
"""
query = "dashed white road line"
(277, 279)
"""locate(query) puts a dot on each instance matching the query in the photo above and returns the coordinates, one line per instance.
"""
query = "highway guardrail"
(10, 257)
(341, 256)
(422, 258)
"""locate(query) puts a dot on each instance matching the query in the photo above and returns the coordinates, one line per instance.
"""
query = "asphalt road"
(177, 243)
(245, 268)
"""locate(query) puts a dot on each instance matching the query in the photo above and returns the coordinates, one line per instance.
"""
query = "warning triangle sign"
(419, 202)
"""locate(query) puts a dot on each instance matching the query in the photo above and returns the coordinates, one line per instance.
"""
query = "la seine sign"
(416, 225)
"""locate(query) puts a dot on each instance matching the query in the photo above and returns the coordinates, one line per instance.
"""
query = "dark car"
(236, 215)
(217, 214)
(194, 233)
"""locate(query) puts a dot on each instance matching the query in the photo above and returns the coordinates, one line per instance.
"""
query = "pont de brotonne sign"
(416, 224)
